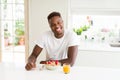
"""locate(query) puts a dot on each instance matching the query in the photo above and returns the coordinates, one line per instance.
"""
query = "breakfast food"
(52, 64)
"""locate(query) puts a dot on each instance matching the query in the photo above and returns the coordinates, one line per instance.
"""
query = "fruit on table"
(52, 62)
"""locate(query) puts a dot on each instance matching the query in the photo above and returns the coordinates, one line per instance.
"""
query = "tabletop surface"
(18, 72)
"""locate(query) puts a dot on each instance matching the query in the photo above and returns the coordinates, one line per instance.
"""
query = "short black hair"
(53, 14)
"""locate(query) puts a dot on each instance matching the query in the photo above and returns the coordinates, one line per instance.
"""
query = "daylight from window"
(12, 30)
(96, 28)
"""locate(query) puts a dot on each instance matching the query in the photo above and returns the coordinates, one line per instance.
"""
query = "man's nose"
(57, 26)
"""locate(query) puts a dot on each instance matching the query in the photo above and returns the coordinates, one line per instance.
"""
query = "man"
(60, 44)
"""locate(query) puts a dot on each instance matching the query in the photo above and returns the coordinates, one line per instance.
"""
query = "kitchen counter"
(87, 46)
(17, 72)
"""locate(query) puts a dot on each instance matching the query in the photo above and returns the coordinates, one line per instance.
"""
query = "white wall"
(38, 12)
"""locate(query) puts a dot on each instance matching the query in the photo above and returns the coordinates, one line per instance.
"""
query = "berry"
(56, 62)
(49, 62)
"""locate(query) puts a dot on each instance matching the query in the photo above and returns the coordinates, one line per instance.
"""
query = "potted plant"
(20, 35)
(6, 37)
(19, 32)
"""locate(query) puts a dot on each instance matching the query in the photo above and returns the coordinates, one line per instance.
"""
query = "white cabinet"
(98, 59)
(95, 7)
(95, 4)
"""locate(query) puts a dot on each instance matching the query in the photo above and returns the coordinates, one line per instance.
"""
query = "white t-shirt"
(56, 49)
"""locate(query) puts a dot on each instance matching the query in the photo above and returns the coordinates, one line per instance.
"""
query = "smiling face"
(56, 25)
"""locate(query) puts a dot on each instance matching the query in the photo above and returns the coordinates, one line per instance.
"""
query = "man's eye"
(53, 25)
(60, 22)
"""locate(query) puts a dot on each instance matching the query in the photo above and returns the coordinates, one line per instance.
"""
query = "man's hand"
(30, 65)
(32, 59)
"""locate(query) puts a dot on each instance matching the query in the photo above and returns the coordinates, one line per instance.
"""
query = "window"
(95, 24)
(13, 30)
(96, 28)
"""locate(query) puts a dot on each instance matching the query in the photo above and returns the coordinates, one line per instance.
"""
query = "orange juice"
(66, 68)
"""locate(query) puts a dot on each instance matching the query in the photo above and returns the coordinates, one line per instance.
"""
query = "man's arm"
(32, 58)
(72, 54)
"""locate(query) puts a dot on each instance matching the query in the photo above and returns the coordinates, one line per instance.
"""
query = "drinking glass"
(66, 68)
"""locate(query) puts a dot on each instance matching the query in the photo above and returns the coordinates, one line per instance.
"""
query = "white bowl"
(51, 67)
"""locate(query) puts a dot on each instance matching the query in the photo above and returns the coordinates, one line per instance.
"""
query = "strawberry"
(49, 62)
(56, 62)
(53, 62)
